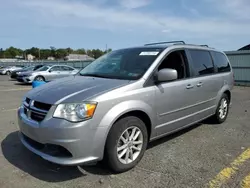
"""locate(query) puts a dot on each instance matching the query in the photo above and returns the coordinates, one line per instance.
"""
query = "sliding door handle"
(189, 86)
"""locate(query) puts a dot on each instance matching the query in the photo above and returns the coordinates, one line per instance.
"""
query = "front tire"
(126, 144)
(222, 110)
(39, 78)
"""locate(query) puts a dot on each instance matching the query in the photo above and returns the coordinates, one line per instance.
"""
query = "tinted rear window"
(221, 62)
(202, 62)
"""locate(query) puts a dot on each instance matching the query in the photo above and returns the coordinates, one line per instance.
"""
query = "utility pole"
(106, 48)
(39, 53)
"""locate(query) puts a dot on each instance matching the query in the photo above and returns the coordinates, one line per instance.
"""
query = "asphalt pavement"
(204, 155)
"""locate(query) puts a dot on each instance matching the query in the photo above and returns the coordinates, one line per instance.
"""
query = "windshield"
(44, 68)
(28, 68)
(127, 64)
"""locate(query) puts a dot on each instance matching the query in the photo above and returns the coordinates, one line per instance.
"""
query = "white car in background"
(47, 73)
(9, 69)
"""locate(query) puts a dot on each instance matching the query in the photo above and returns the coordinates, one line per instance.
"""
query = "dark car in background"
(14, 74)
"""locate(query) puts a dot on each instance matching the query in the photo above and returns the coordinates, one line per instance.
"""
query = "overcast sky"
(223, 24)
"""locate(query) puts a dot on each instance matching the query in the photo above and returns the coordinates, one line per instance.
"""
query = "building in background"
(51, 58)
(78, 57)
(247, 47)
(30, 57)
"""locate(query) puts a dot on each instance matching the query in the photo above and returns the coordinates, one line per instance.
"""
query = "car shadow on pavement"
(21, 84)
(29, 163)
(165, 139)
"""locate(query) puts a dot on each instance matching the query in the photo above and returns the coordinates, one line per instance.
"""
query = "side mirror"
(50, 70)
(165, 75)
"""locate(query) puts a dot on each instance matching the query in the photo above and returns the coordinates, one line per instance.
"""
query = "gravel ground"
(190, 158)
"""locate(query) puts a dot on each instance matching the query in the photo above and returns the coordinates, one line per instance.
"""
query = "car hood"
(73, 89)
(26, 73)
(15, 71)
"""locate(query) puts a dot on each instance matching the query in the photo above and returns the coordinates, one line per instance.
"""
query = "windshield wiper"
(95, 75)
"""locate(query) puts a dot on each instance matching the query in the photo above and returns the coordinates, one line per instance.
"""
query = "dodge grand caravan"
(116, 105)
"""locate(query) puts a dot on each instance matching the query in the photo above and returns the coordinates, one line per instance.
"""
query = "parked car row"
(38, 72)
(9, 69)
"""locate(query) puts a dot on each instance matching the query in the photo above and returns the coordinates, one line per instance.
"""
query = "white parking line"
(9, 110)
(18, 89)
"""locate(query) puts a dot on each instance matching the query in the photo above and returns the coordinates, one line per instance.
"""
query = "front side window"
(176, 60)
(221, 62)
(56, 68)
(65, 68)
(126, 64)
(202, 62)
(44, 68)
(37, 67)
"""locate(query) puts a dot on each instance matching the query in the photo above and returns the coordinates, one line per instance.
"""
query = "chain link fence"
(75, 64)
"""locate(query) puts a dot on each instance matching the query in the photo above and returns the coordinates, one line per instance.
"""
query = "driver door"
(175, 99)
(54, 73)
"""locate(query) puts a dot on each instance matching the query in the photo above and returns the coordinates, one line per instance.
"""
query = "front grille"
(27, 100)
(49, 149)
(37, 117)
(42, 106)
(35, 110)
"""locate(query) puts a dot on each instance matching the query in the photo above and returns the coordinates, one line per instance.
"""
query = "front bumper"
(84, 143)
(25, 79)
(2, 72)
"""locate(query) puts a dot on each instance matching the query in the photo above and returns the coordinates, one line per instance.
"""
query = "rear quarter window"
(221, 62)
(201, 62)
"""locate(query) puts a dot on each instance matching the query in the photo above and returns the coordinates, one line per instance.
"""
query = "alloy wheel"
(129, 145)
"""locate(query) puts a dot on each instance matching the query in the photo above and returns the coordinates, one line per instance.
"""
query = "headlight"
(75, 112)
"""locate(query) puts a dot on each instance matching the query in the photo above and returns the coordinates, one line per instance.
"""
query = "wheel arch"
(142, 116)
(39, 76)
(228, 93)
(129, 108)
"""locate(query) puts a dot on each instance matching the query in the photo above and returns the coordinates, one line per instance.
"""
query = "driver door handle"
(189, 86)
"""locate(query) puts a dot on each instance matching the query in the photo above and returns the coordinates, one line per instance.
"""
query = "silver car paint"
(10, 69)
(48, 76)
(169, 106)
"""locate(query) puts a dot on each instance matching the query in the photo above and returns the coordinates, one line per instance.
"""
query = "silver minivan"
(120, 102)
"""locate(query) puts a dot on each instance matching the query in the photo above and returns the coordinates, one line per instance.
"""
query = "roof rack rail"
(169, 42)
(203, 45)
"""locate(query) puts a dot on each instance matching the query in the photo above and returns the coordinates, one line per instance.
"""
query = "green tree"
(80, 51)
(53, 51)
(89, 53)
(69, 50)
(97, 53)
(45, 53)
(61, 53)
(1, 53)
(12, 52)
(33, 51)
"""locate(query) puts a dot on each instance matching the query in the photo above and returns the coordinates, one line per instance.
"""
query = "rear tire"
(126, 144)
(222, 110)
(39, 78)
